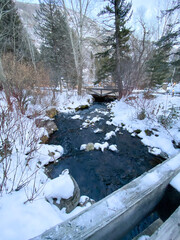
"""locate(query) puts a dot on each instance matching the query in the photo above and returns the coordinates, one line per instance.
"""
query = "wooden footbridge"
(99, 92)
(115, 215)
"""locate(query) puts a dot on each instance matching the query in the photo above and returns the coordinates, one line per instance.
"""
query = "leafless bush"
(24, 82)
(145, 106)
(18, 144)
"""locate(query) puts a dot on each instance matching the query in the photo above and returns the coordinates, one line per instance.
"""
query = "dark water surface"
(98, 173)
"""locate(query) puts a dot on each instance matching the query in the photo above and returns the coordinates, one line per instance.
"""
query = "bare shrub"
(145, 106)
(18, 144)
(24, 82)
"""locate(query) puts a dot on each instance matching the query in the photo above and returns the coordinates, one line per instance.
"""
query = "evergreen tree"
(56, 46)
(165, 60)
(14, 42)
(13, 37)
(158, 67)
(116, 44)
(175, 59)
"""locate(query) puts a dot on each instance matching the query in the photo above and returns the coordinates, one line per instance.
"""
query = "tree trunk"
(5, 86)
(118, 55)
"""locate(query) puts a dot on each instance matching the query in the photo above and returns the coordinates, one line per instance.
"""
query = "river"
(99, 173)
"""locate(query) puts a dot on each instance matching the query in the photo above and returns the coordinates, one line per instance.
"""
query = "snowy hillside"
(27, 11)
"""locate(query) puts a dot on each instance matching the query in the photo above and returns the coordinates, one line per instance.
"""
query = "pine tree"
(165, 59)
(158, 67)
(56, 46)
(13, 37)
(116, 44)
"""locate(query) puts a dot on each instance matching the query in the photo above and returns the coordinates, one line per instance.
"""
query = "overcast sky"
(149, 9)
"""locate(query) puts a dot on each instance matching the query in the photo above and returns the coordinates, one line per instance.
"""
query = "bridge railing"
(115, 215)
(102, 92)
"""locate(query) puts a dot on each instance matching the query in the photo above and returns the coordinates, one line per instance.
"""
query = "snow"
(97, 146)
(76, 117)
(25, 212)
(98, 130)
(23, 221)
(109, 123)
(155, 151)
(102, 146)
(109, 135)
(60, 187)
(113, 148)
(126, 112)
(49, 153)
(83, 147)
(23, 205)
(91, 122)
(149, 179)
(144, 237)
(175, 182)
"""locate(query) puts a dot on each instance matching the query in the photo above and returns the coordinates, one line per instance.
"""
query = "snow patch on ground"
(157, 110)
(49, 153)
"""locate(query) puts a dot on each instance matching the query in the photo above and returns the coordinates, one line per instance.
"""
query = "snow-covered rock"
(109, 135)
(63, 191)
(49, 153)
(76, 117)
(99, 146)
(90, 147)
(113, 148)
(98, 130)
(83, 147)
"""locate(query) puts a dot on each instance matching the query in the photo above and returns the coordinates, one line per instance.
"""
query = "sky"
(148, 10)
(148, 7)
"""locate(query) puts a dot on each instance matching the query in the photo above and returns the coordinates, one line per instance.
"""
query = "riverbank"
(155, 119)
(24, 219)
(23, 207)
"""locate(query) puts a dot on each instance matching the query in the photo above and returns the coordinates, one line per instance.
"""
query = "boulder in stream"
(63, 191)
(90, 147)
(49, 125)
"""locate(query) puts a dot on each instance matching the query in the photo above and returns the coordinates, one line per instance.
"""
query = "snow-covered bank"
(155, 121)
(24, 218)
(23, 206)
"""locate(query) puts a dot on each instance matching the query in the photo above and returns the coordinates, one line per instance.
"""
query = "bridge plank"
(170, 229)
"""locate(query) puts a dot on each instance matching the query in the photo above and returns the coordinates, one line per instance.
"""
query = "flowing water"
(100, 173)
